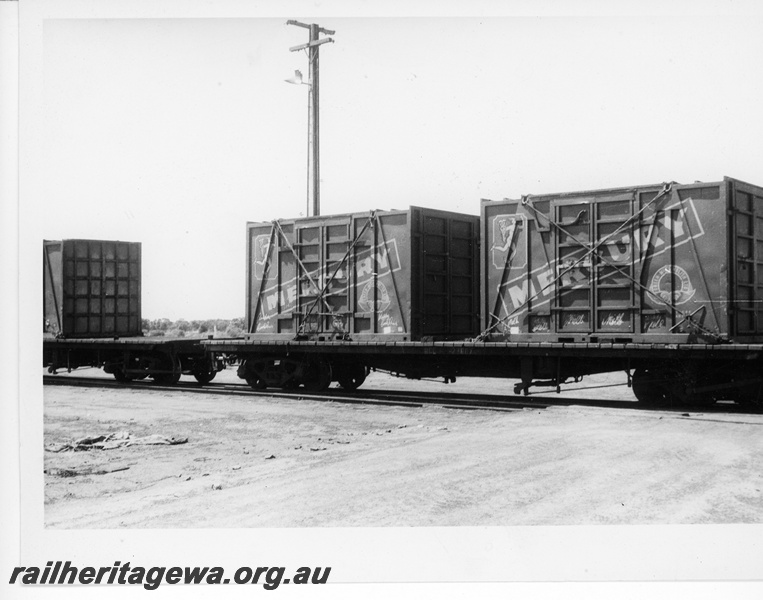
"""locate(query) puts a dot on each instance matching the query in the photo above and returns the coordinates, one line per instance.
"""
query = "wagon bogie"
(699, 383)
(312, 372)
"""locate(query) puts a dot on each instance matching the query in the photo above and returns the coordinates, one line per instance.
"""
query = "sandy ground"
(277, 462)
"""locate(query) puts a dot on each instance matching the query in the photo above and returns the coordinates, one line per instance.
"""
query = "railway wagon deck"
(164, 359)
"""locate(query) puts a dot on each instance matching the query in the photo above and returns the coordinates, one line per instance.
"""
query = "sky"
(175, 132)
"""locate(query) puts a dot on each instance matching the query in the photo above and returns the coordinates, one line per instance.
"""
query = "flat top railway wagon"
(663, 282)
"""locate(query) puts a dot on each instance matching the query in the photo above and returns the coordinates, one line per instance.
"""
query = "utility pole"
(313, 136)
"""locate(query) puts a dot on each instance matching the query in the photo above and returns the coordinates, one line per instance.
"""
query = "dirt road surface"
(274, 462)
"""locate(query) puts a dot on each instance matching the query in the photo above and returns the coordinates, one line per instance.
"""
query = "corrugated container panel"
(747, 248)
(645, 263)
(378, 275)
(92, 288)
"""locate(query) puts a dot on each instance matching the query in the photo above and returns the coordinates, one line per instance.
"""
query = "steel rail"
(447, 399)
(409, 399)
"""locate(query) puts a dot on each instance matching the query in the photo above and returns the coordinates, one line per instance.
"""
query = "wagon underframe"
(658, 373)
(162, 359)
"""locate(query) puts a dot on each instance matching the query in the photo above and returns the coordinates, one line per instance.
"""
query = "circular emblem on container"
(662, 285)
(366, 300)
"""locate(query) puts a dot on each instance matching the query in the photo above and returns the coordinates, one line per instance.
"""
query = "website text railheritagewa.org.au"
(63, 573)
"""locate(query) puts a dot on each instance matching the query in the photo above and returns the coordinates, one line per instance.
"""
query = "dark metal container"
(92, 288)
(664, 263)
(391, 275)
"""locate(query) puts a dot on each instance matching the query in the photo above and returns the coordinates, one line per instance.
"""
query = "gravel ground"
(277, 462)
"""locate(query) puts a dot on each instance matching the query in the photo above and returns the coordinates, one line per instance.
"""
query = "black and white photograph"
(428, 299)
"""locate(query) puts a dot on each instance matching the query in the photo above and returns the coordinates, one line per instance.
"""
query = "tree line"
(196, 328)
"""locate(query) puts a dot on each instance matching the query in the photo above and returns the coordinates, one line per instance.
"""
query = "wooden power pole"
(313, 139)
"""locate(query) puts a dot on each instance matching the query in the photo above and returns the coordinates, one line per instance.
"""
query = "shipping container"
(91, 288)
(386, 275)
(657, 263)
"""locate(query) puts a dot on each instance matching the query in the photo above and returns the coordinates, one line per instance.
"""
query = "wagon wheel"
(289, 373)
(648, 389)
(353, 377)
(167, 378)
(251, 371)
(317, 377)
(166, 363)
(121, 376)
(663, 388)
(204, 375)
(256, 382)
(204, 372)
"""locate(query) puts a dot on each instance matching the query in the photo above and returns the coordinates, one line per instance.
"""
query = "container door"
(446, 277)
(463, 276)
(323, 293)
(573, 267)
(436, 276)
(747, 208)
(614, 267)
(308, 246)
(595, 265)
(335, 277)
(101, 288)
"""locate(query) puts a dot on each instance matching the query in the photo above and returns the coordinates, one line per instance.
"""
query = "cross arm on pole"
(307, 26)
(311, 44)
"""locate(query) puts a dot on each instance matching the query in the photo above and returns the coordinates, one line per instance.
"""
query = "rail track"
(389, 398)
(442, 399)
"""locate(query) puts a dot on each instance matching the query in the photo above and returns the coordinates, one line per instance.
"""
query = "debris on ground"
(73, 473)
(120, 439)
